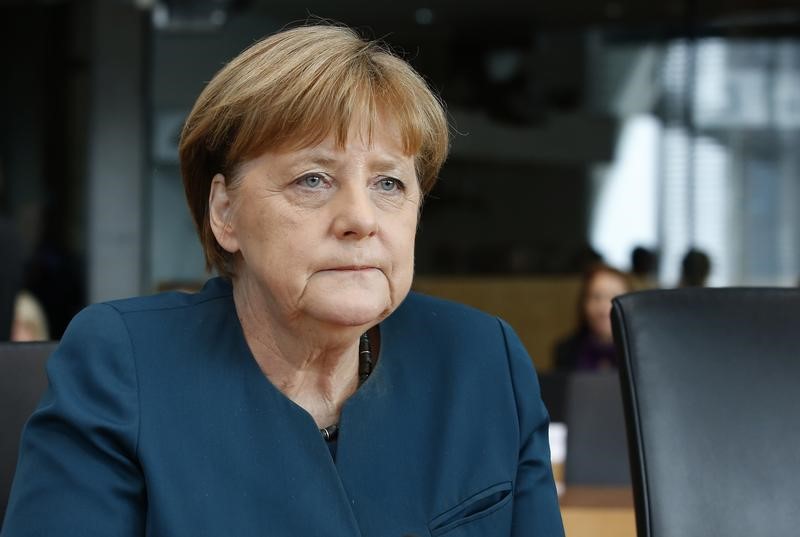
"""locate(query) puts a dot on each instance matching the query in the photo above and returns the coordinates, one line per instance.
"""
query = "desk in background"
(598, 512)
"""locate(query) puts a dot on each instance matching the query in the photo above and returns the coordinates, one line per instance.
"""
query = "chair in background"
(553, 385)
(711, 387)
(22, 382)
(597, 449)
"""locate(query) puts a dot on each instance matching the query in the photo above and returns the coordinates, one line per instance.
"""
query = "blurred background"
(582, 130)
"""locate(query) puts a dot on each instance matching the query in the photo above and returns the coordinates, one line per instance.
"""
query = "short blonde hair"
(293, 89)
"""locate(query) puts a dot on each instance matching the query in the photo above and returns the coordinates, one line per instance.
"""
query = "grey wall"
(118, 135)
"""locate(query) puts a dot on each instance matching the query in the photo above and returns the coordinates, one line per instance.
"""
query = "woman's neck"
(314, 365)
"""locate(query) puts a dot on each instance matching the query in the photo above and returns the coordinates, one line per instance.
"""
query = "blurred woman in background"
(591, 346)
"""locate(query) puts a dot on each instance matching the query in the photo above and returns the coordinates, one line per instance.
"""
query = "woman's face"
(603, 287)
(324, 232)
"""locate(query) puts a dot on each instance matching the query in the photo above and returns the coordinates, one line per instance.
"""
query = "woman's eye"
(311, 181)
(387, 184)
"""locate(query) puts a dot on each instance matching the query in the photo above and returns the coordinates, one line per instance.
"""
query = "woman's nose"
(355, 215)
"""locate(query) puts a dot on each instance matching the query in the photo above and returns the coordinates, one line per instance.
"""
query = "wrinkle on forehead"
(359, 128)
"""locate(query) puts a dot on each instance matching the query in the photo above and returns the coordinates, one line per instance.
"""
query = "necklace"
(331, 432)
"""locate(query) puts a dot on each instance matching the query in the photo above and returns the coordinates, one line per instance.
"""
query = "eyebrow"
(386, 164)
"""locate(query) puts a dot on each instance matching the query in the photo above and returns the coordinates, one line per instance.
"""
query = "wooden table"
(598, 512)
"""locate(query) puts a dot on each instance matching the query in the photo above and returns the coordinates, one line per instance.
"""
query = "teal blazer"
(159, 422)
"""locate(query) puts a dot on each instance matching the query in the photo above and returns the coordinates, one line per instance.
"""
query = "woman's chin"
(343, 310)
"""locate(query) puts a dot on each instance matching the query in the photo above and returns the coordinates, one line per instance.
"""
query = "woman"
(591, 346)
(305, 392)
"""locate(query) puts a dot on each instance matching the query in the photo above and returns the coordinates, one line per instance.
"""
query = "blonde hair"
(30, 322)
(292, 90)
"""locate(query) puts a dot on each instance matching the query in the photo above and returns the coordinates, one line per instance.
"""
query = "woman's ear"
(220, 214)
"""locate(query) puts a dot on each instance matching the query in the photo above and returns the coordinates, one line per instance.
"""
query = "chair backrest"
(597, 449)
(711, 386)
(22, 382)
(553, 385)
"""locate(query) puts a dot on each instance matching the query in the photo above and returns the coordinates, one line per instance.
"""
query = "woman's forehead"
(379, 154)
(379, 133)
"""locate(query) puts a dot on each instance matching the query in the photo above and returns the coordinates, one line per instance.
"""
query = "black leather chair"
(597, 451)
(22, 382)
(711, 387)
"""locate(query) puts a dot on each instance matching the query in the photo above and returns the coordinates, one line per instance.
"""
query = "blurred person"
(695, 268)
(644, 265)
(55, 274)
(583, 258)
(30, 322)
(591, 346)
(305, 391)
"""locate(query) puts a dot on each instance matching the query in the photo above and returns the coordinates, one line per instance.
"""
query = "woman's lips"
(351, 269)
(354, 268)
